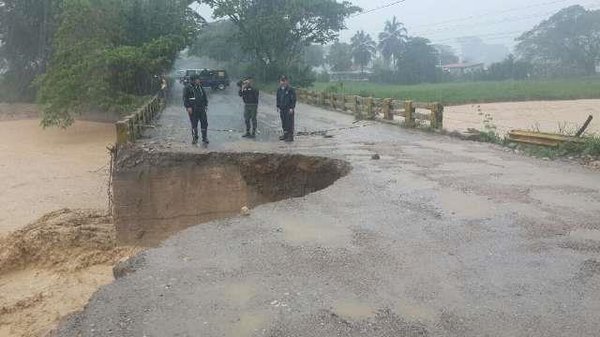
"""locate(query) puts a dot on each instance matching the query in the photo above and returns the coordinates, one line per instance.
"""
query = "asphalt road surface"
(440, 237)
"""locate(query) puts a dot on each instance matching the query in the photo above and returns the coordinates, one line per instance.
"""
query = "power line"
(440, 33)
(496, 36)
(486, 37)
(493, 13)
(378, 8)
(484, 23)
(538, 15)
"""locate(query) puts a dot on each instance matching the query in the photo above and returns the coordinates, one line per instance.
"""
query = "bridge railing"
(377, 108)
(130, 128)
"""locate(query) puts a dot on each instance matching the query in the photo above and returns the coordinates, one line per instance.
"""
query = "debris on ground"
(51, 268)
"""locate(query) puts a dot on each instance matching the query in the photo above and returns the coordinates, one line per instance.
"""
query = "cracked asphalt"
(440, 237)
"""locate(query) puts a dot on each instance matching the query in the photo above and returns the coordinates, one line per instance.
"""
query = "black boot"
(247, 134)
(205, 137)
(253, 134)
(194, 136)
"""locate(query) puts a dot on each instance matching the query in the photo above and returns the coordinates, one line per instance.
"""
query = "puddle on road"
(413, 182)
(248, 325)
(413, 312)
(317, 230)
(239, 294)
(354, 310)
(464, 205)
(578, 201)
(585, 234)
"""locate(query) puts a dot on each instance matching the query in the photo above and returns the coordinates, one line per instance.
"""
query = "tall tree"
(419, 61)
(363, 49)
(565, 44)
(218, 42)
(510, 68)
(314, 55)
(277, 31)
(100, 63)
(340, 56)
(26, 31)
(392, 41)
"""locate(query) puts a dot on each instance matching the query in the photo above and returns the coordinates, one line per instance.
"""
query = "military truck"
(216, 79)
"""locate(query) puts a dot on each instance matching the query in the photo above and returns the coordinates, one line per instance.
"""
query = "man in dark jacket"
(249, 95)
(196, 103)
(286, 103)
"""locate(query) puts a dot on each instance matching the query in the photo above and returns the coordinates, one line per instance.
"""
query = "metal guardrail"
(541, 138)
(130, 128)
(370, 108)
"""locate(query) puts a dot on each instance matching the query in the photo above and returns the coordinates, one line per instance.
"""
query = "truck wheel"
(221, 86)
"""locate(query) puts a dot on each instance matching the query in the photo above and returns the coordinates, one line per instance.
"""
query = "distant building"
(461, 69)
(474, 49)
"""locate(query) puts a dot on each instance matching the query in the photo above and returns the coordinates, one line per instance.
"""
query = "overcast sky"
(442, 21)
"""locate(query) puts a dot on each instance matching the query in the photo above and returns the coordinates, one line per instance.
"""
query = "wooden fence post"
(358, 107)
(332, 102)
(369, 108)
(343, 99)
(321, 99)
(437, 116)
(409, 116)
(387, 109)
(145, 112)
(130, 129)
(122, 132)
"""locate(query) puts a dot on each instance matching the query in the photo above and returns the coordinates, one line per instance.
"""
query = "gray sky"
(442, 21)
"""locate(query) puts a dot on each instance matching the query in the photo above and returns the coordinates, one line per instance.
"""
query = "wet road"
(438, 238)
(226, 121)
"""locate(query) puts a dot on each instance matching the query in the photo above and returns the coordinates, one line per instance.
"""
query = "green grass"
(476, 92)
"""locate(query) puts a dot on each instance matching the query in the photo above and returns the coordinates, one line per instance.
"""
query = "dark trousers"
(287, 122)
(199, 115)
(250, 112)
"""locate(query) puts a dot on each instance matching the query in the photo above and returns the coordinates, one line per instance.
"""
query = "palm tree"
(363, 49)
(393, 40)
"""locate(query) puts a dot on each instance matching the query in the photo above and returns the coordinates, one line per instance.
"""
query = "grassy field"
(476, 92)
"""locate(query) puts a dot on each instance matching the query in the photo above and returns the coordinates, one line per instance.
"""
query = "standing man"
(196, 103)
(163, 88)
(286, 103)
(249, 95)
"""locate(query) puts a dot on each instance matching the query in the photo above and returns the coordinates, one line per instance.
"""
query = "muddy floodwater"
(545, 116)
(45, 170)
(50, 264)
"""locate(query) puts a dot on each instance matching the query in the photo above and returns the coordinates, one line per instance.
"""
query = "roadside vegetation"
(455, 93)
(78, 56)
(587, 150)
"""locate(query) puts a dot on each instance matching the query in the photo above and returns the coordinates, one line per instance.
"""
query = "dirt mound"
(51, 267)
(65, 239)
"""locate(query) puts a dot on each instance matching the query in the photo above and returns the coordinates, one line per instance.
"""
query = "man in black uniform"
(196, 102)
(286, 103)
(250, 97)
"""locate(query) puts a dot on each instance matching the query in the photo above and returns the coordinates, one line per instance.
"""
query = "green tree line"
(272, 36)
(77, 56)
(567, 44)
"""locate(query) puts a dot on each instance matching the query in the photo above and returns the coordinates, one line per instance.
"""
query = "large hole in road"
(158, 194)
